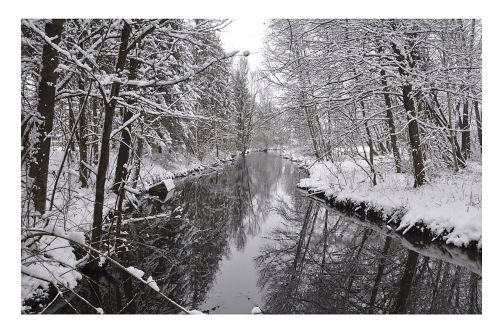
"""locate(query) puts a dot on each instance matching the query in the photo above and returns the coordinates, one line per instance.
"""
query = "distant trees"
(268, 130)
(215, 97)
(244, 105)
(369, 87)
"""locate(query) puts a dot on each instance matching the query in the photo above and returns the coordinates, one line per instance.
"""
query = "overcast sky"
(245, 34)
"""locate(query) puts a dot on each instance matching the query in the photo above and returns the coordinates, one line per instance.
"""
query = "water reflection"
(323, 263)
(245, 236)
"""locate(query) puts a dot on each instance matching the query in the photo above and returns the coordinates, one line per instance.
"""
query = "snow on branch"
(162, 83)
(59, 49)
(124, 125)
(164, 111)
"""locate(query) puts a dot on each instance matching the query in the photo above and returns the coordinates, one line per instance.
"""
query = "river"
(245, 236)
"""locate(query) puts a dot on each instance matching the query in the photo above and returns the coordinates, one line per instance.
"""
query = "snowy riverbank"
(447, 208)
(72, 217)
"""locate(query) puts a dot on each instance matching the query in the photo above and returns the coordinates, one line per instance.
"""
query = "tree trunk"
(441, 120)
(312, 132)
(380, 272)
(95, 137)
(472, 303)
(71, 117)
(138, 156)
(416, 148)
(436, 289)
(39, 167)
(390, 123)
(123, 154)
(450, 120)
(406, 63)
(466, 131)
(83, 171)
(370, 144)
(102, 169)
(126, 139)
(401, 303)
(479, 124)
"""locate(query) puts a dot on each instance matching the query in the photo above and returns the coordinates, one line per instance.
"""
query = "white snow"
(449, 205)
(102, 260)
(256, 311)
(58, 265)
(135, 272)
(195, 312)
(169, 184)
(152, 284)
(78, 237)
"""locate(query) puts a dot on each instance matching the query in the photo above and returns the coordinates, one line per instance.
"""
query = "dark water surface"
(245, 236)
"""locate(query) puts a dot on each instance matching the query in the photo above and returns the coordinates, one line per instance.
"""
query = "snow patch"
(169, 184)
(135, 272)
(256, 311)
(152, 284)
(449, 205)
(195, 312)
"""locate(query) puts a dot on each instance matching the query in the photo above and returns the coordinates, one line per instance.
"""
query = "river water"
(245, 236)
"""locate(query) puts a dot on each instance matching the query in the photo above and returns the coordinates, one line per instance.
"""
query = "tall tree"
(126, 138)
(109, 108)
(39, 165)
(406, 57)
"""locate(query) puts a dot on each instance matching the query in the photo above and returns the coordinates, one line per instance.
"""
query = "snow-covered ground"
(449, 205)
(52, 259)
(158, 167)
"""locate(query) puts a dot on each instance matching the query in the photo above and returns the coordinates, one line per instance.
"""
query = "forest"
(384, 115)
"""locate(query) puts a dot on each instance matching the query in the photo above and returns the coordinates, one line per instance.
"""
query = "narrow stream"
(245, 236)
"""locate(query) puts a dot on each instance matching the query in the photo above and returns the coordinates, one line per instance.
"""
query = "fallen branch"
(162, 215)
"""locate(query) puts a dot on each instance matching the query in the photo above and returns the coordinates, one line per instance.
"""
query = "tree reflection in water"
(307, 258)
(209, 215)
(319, 262)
